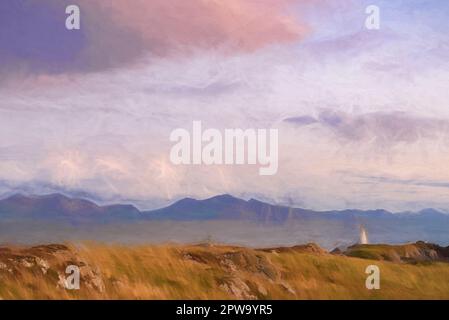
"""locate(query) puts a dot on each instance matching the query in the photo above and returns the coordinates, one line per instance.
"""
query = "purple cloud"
(115, 33)
(377, 127)
(33, 37)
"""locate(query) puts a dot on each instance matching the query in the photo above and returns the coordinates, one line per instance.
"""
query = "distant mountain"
(61, 207)
(222, 207)
(226, 207)
(56, 217)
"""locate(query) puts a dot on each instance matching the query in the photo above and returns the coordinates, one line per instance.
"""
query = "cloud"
(106, 133)
(372, 179)
(381, 128)
(116, 33)
(33, 34)
(243, 25)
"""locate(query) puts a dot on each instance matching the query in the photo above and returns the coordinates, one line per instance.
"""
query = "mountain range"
(33, 219)
(58, 207)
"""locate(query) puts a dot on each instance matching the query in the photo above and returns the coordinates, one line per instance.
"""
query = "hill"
(60, 207)
(411, 253)
(209, 272)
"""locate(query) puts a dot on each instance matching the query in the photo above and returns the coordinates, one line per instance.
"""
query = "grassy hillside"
(418, 252)
(210, 272)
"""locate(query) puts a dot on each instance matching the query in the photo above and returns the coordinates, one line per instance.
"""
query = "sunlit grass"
(223, 272)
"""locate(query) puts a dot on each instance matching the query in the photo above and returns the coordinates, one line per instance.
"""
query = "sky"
(363, 115)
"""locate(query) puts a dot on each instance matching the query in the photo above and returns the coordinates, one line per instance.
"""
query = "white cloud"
(107, 133)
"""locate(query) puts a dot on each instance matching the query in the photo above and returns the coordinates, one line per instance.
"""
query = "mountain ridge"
(219, 207)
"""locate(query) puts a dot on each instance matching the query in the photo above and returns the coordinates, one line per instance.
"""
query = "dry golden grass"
(218, 272)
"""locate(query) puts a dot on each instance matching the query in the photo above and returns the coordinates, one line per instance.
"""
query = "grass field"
(210, 272)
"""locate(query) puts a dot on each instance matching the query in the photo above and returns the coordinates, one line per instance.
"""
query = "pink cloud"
(178, 26)
(116, 33)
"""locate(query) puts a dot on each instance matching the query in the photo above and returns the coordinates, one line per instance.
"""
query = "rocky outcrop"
(407, 253)
(48, 262)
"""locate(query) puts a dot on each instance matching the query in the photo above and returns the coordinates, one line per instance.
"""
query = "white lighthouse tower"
(363, 235)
